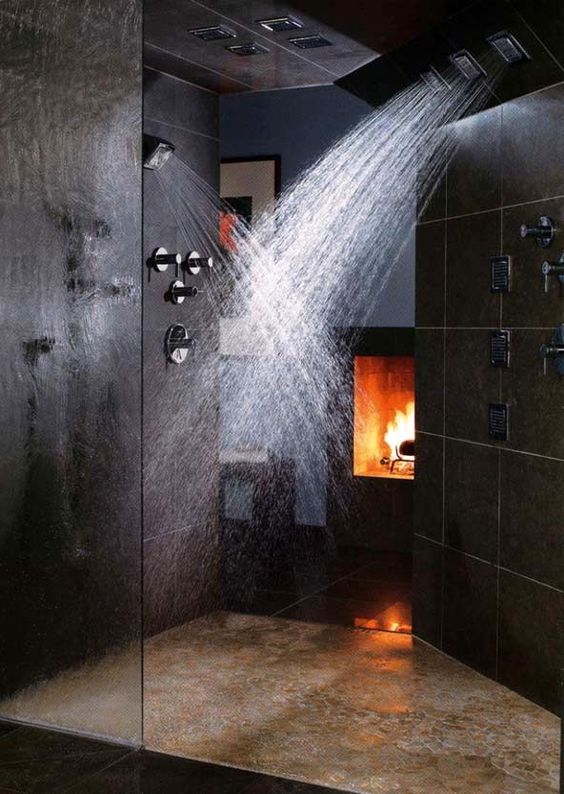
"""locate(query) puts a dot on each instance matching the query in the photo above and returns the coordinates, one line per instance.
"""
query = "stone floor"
(356, 710)
(350, 709)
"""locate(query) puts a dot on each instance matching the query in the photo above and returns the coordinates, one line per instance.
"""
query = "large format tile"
(427, 590)
(471, 384)
(474, 169)
(428, 497)
(532, 146)
(471, 242)
(429, 380)
(471, 498)
(180, 104)
(536, 422)
(35, 760)
(531, 633)
(470, 611)
(430, 274)
(385, 613)
(531, 540)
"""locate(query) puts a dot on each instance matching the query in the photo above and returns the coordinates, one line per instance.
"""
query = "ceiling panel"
(171, 48)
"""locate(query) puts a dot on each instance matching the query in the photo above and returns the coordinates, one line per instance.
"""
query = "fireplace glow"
(384, 416)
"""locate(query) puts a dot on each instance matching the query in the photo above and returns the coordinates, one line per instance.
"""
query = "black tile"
(470, 607)
(546, 18)
(528, 305)
(531, 633)
(430, 274)
(471, 242)
(427, 590)
(531, 517)
(431, 190)
(6, 728)
(34, 760)
(385, 567)
(350, 613)
(474, 170)
(536, 423)
(151, 773)
(532, 147)
(429, 380)
(428, 516)
(179, 104)
(471, 498)
(471, 383)
(263, 602)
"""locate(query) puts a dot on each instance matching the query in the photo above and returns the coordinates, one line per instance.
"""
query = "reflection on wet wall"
(70, 219)
(180, 428)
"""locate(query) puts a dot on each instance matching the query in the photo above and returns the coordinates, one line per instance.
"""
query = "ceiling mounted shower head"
(279, 24)
(467, 65)
(155, 152)
(212, 33)
(310, 42)
(511, 50)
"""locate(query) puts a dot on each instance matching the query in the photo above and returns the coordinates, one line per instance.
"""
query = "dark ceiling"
(360, 30)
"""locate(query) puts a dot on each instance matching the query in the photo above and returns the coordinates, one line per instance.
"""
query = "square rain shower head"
(467, 65)
(511, 50)
(213, 33)
(310, 42)
(280, 24)
(155, 152)
(250, 48)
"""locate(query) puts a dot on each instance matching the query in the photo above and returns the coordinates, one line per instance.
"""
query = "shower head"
(467, 65)
(434, 80)
(511, 50)
(155, 152)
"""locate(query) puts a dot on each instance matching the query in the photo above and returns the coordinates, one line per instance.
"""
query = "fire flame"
(402, 428)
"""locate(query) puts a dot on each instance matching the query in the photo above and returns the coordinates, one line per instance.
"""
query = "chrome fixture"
(511, 50)
(555, 351)
(467, 65)
(553, 269)
(179, 292)
(177, 344)
(213, 33)
(500, 267)
(435, 81)
(162, 259)
(543, 232)
(194, 262)
(250, 48)
(279, 24)
(310, 42)
(155, 152)
(500, 349)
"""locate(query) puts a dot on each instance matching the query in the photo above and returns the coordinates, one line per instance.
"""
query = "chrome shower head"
(510, 49)
(467, 65)
(155, 152)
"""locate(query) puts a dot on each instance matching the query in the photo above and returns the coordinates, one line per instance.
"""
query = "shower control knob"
(177, 344)
(162, 259)
(553, 269)
(543, 232)
(178, 292)
(555, 350)
(194, 262)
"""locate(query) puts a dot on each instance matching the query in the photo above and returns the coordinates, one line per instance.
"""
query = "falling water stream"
(316, 261)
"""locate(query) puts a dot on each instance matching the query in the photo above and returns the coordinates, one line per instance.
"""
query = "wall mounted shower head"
(511, 50)
(467, 65)
(155, 152)
(434, 80)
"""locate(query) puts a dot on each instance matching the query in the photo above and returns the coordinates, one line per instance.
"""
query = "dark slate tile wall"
(70, 449)
(180, 443)
(489, 551)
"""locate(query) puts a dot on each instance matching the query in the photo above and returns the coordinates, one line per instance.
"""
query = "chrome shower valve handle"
(553, 269)
(544, 232)
(194, 262)
(162, 259)
(179, 292)
(555, 351)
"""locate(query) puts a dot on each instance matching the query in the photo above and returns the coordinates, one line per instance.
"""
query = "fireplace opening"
(384, 417)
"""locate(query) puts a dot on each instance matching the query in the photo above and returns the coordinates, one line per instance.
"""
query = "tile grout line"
(493, 446)
(500, 208)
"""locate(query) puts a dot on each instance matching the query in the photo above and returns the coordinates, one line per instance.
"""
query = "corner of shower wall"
(70, 449)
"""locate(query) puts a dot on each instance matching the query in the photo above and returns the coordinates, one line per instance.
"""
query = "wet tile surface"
(351, 709)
